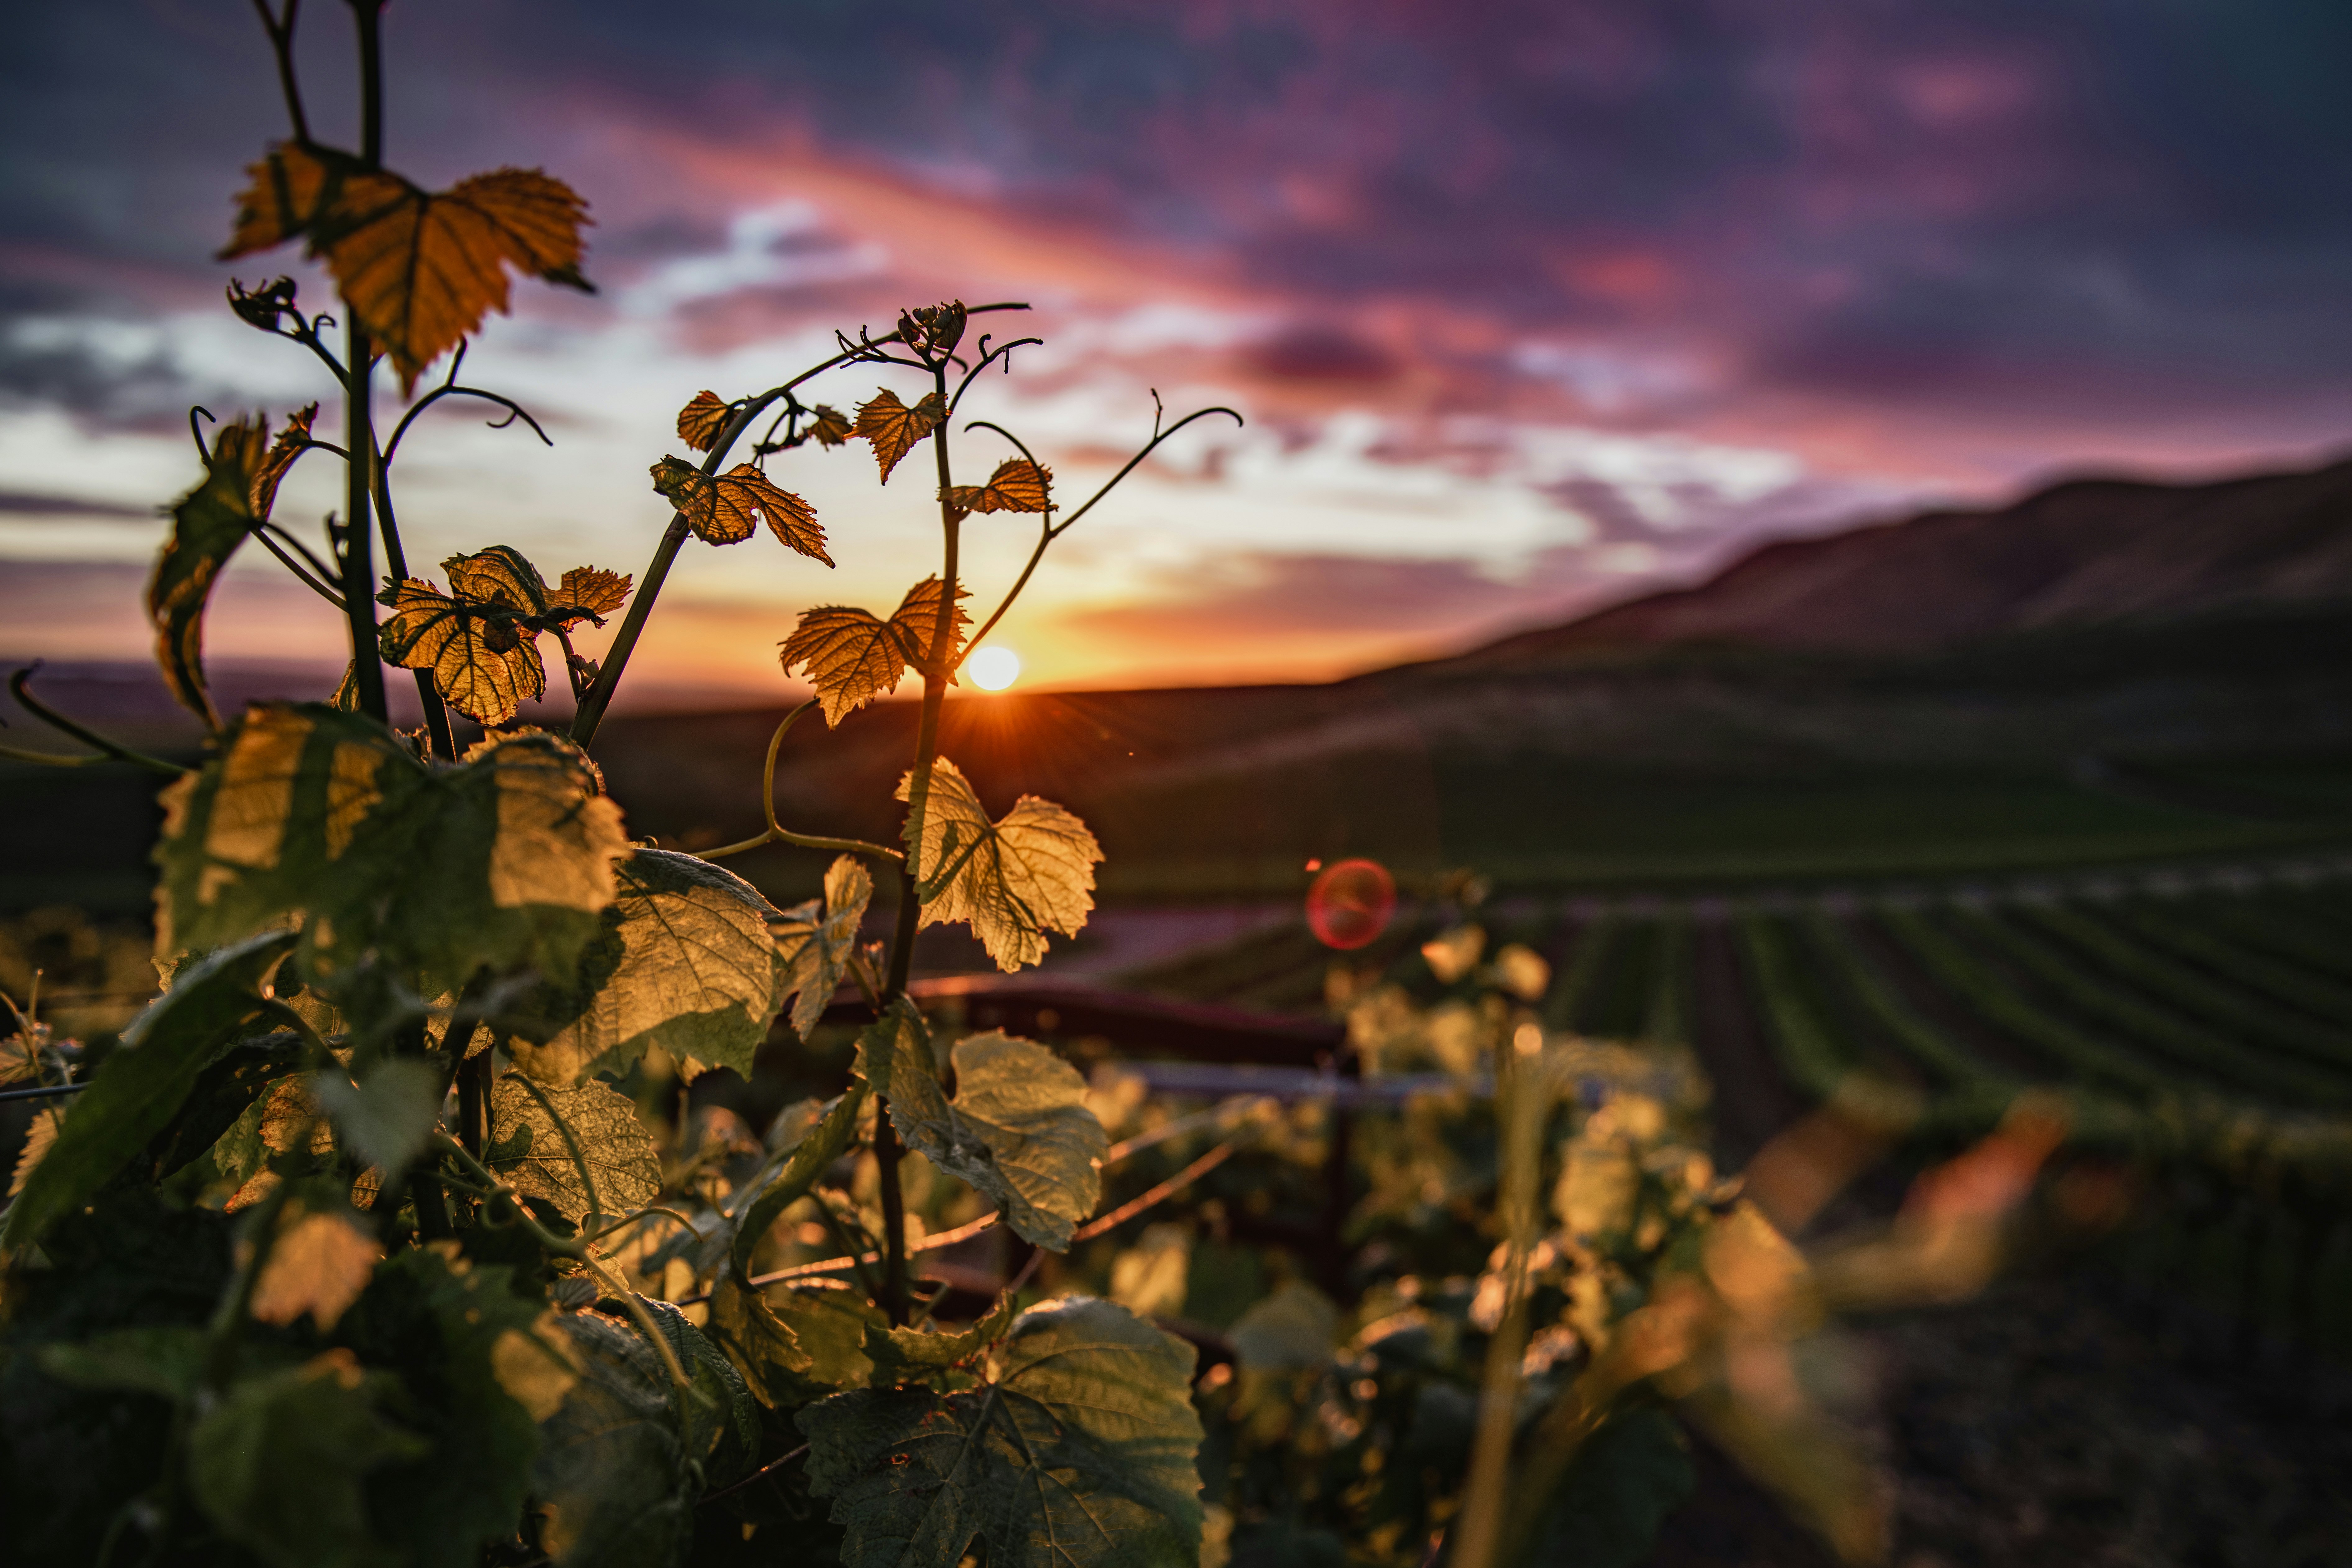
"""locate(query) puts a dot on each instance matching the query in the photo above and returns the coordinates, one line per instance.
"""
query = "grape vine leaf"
(240, 484)
(503, 862)
(318, 1263)
(1628, 1476)
(796, 1344)
(894, 428)
(725, 509)
(933, 328)
(417, 269)
(815, 941)
(685, 962)
(722, 1424)
(1018, 1129)
(1013, 880)
(40, 1136)
(852, 657)
(1018, 485)
(902, 1356)
(701, 420)
(582, 1152)
(322, 1421)
(819, 1149)
(387, 1115)
(482, 1367)
(614, 1476)
(587, 593)
(144, 1080)
(1078, 1451)
(828, 425)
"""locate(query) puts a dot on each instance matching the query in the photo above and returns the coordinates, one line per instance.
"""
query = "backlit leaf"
(1013, 880)
(894, 428)
(1078, 1452)
(292, 443)
(143, 1080)
(38, 1138)
(701, 420)
(318, 1265)
(685, 962)
(826, 1142)
(613, 1478)
(581, 1150)
(722, 1425)
(828, 425)
(917, 622)
(587, 592)
(207, 526)
(816, 940)
(503, 862)
(417, 269)
(1018, 1129)
(322, 1421)
(1018, 485)
(480, 639)
(724, 509)
(849, 654)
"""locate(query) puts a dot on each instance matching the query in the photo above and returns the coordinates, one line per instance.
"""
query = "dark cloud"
(26, 503)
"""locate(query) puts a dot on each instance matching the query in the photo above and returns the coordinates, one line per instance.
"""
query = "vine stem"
(358, 573)
(779, 835)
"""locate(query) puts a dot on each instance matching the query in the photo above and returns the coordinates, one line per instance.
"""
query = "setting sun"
(992, 668)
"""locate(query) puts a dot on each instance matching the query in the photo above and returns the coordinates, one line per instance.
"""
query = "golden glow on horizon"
(993, 668)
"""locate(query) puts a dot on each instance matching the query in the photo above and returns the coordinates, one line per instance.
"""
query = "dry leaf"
(38, 1138)
(292, 443)
(894, 428)
(418, 269)
(724, 509)
(1018, 485)
(700, 421)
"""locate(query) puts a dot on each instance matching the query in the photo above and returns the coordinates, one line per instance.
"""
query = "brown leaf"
(418, 269)
(724, 509)
(207, 526)
(849, 655)
(829, 426)
(700, 421)
(1018, 485)
(894, 428)
(586, 592)
(292, 443)
(917, 620)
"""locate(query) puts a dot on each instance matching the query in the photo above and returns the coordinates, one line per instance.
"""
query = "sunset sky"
(1528, 305)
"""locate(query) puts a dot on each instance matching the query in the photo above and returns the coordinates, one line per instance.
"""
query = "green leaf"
(816, 946)
(722, 1424)
(581, 1150)
(223, 1097)
(503, 862)
(763, 1347)
(385, 1118)
(479, 1365)
(1018, 1129)
(810, 1157)
(319, 1422)
(915, 1355)
(1013, 879)
(793, 1345)
(141, 1086)
(685, 962)
(613, 1480)
(167, 1359)
(1078, 1451)
(1628, 1477)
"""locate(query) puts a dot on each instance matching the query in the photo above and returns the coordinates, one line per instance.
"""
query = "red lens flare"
(1349, 904)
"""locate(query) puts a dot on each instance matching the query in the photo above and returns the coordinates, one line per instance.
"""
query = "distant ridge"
(2078, 553)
